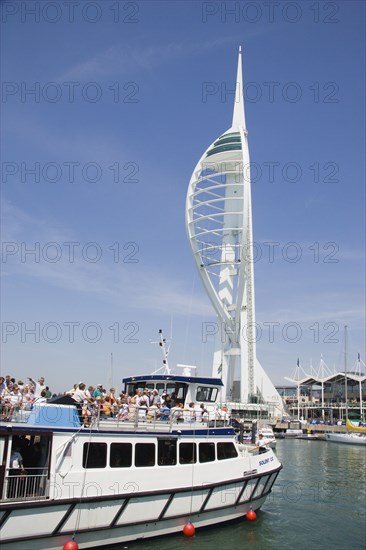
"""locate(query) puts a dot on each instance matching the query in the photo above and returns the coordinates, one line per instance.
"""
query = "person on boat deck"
(81, 399)
(164, 412)
(16, 469)
(13, 401)
(112, 396)
(155, 398)
(89, 391)
(204, 413)
(261, 444)
(123, 398)
(152, 412)
(173, 397)
(98, 392)
(143, 400)
(80, 394)
(42, 398)
(189, 414)
(135, 397)
(39, 386)
(167, 401)
(106, 406)
(73, 390)
(132, 404)
(177, 412)
(123, 411)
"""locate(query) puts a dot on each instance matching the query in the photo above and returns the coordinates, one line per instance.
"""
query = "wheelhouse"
(183, 389)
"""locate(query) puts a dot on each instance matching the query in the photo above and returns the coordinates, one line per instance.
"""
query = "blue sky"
(117, 122)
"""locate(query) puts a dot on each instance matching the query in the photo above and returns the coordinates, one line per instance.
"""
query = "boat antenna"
(165, 350)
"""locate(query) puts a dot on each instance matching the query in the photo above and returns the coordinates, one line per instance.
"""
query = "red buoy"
(251, 515)
(189, 530)
(70, 545)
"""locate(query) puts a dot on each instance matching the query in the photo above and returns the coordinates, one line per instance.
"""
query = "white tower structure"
(219, 228)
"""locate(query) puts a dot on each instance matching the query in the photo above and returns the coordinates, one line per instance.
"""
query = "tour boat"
(118, 481)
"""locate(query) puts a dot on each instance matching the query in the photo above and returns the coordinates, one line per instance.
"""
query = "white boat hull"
(51, 525)
(347, 439)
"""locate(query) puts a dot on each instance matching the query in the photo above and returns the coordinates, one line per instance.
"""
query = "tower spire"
(239, 113)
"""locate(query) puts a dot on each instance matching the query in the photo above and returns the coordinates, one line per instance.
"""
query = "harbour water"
(318, 501)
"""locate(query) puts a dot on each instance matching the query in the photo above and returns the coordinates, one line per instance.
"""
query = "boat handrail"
(29, 484)
(145, 419)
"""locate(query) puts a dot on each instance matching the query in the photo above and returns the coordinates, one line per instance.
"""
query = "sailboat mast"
(345, 370)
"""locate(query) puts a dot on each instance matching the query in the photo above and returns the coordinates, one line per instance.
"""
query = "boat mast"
(345, 370)
(165, 350)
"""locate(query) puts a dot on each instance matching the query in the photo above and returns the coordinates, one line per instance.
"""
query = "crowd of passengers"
(142, 403)
(16, 396)
(95, 401)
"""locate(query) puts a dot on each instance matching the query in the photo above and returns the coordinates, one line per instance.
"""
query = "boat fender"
(251, 515)
(189, 530)
(70, 545)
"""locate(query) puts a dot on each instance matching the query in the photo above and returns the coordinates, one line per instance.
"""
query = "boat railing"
(131, 417)
(30, 484)
(17, 414)
(142, 418)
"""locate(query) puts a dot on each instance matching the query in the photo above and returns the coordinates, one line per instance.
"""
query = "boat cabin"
(182, 389)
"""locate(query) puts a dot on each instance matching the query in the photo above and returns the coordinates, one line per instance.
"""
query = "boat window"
(130, 388)
(205, 393)
(226, 450)
(167, 452)
(149, 386)
(121, 455)
(177, 391)
(207, 452)
(144, 454)
(187, 453)
(181, 392)
(170, 388)
(160, 387)
(95, 455)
